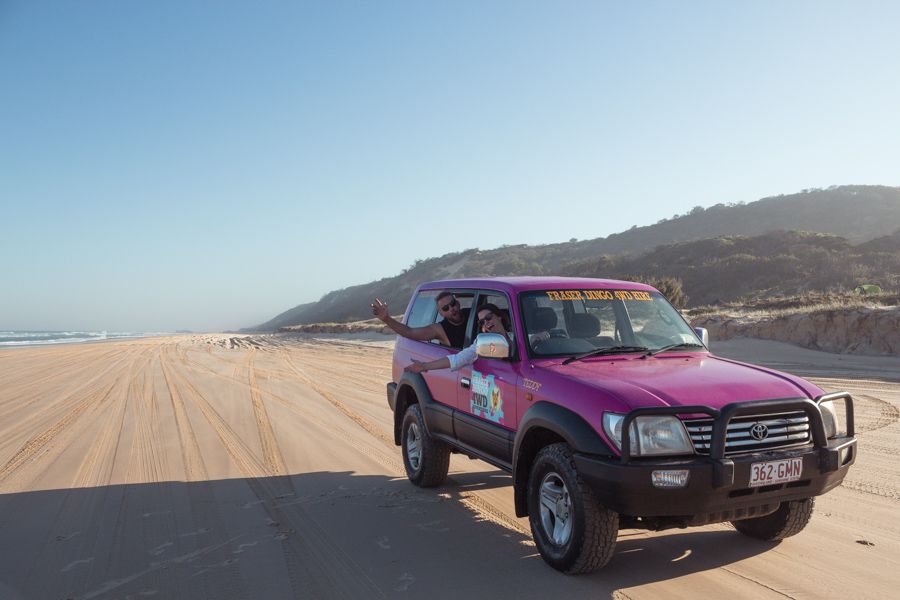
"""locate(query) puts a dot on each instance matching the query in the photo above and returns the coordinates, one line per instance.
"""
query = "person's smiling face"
(450, 309)
(489, 322)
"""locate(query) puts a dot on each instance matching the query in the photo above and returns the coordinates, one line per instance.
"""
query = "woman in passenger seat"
(491, 319)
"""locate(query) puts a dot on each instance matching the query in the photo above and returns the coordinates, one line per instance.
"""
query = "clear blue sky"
(207, 165)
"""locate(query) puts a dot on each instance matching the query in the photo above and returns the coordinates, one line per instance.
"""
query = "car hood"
(683, 380)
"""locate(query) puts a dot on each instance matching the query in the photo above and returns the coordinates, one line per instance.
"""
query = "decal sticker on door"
(486, 401)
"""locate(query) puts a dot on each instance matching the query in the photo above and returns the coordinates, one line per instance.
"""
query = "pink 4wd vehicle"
(609, 411)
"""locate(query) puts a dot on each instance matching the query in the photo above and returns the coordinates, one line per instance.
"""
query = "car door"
(486, 415)
(442, 383)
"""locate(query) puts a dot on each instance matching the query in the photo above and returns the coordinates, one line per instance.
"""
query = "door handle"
(465, 382)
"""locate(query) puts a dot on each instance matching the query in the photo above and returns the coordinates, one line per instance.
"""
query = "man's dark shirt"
(456, 334)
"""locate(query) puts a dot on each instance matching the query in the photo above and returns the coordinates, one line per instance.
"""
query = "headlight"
(833, 418)
(650, 435)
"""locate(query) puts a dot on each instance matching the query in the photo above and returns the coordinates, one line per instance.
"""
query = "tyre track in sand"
(52, 441)
(874, 414)
(84, 510)
(310, 416)
(351, 414)
(274, 461)
(67, 399)
(316, 565)
(478, 505)
(192, 459)
(205, 513)
(876, 418)
(147, 461)
(67, 364)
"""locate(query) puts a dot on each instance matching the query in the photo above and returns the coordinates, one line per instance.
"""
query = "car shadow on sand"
(310, 535)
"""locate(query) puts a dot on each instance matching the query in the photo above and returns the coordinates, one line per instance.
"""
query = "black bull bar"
(723, 468)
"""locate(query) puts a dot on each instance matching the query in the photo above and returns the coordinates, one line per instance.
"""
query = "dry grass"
(810, 303)
(367, 326)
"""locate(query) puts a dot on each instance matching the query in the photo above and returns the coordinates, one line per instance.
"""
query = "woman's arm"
(464, 357)
(439, 363)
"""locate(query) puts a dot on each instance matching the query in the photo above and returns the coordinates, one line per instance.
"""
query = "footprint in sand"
(242, 547)
(434, 526)
(200, 531)
(224, 563)
(404, 582)
(72, 565)
(160, 549)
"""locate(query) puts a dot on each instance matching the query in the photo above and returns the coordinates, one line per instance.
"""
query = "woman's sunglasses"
(487, 319)
(449, 305)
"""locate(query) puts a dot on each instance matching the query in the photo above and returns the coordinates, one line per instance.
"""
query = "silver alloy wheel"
(556, 509)
(413, 446)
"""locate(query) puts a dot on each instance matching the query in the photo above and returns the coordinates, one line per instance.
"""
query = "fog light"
(674, 478)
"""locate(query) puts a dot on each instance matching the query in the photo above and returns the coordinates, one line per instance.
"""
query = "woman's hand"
(415, 367)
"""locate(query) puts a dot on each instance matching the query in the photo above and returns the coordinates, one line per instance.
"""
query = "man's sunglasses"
(449, 305)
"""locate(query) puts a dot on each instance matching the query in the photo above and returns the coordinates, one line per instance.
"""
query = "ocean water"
(36, 338)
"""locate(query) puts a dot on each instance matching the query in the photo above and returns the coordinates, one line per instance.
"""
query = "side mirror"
(491, 345)
(703, 334)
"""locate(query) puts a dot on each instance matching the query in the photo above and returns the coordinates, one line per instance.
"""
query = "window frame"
(456, 292)
(515, 354)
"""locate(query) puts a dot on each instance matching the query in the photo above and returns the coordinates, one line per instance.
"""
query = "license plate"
(775, 471)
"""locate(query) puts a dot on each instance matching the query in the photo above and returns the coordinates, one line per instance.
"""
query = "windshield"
(569, 322)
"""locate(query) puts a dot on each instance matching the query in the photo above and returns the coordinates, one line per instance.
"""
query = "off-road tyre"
(594, 528)
(430, 466)
(790, 519)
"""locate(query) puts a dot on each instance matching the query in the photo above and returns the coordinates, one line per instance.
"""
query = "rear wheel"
(571, 530)
(790, 519)
(426, 459)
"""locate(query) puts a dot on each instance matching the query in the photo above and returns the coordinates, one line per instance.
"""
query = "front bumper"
(714, 486)
(718, 485)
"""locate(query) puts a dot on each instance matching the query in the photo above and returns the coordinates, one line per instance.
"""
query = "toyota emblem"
(759, 432)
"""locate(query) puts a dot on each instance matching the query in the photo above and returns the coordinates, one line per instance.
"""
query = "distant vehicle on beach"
(610, 412)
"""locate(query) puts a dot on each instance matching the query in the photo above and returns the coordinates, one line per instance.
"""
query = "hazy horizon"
(175, 166)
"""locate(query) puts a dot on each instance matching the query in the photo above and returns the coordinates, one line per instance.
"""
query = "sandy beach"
(216, 466)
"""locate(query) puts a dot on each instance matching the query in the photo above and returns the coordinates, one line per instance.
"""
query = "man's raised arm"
(422, 334)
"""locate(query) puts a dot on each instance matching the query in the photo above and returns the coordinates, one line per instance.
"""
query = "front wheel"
(790, 519)
(426, 459)
(571, 530)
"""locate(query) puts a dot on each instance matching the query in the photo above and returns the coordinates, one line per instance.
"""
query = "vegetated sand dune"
(264, 467)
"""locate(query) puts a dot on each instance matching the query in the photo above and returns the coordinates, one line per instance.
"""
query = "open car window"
(424, 309)
(465, 299)
(502, 302)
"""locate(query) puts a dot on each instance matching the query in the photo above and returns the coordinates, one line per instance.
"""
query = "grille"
(783, 430)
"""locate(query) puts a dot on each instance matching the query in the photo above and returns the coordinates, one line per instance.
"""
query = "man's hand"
(415, 367)
(380, 309)
(540, 337)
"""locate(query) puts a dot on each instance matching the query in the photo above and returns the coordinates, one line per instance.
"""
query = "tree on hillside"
(670, 287)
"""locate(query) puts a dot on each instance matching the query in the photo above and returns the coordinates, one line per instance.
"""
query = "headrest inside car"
(543, 319)
(584, 326)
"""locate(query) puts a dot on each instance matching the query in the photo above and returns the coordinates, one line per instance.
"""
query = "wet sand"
(264, 467)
